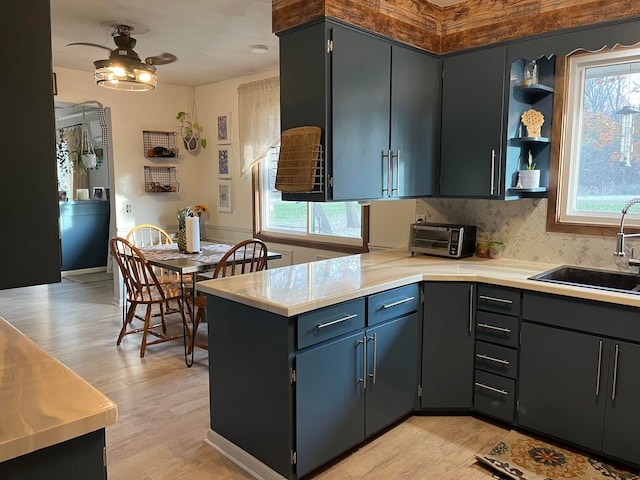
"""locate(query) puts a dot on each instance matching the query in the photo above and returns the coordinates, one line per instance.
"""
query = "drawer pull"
(339, 320)
(395, 304)
(493, 389)
(493, 327)
(494, 299)
(492, 359)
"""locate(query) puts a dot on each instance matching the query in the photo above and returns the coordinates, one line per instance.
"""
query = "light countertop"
(301, 288)
(43, 402)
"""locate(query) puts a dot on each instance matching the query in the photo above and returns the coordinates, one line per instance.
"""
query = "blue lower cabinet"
(352, 387)
(329, 401)
(392, 372)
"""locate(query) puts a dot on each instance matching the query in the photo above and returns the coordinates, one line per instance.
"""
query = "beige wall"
(131, 113)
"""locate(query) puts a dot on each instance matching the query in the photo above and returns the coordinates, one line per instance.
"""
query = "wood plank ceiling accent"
(460, 26)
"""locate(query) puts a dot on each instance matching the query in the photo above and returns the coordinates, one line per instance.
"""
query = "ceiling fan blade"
(162, 59)
(89, 45)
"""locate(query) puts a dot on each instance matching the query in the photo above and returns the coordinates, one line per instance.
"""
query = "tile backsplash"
(520, 225)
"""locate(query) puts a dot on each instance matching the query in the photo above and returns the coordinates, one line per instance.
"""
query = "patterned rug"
(520, 457)
(89, 277)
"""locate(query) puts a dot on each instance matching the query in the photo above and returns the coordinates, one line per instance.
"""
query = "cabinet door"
(28, 101)
(329, 401)
(562, 384)
(622, 420)
(360, 76)
(392, 372)
(415, 121)
(447, 346)
(472, 119)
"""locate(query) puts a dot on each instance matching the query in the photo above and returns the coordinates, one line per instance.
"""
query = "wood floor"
(163, 406)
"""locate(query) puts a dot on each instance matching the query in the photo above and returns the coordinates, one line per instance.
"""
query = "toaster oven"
(442, 239)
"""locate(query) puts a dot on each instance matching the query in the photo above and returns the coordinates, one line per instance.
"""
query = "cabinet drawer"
(393, 303)
(492, 298)
(494, 396)
(496, 359)
(325, 323)
(502, 329)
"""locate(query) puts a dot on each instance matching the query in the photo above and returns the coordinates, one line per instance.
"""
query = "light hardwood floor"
(163, 406)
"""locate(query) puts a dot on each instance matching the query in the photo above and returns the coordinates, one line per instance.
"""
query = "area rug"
(521, 457)
(90, 277)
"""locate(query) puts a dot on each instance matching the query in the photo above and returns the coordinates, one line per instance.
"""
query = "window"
(598, 169)
(340, 226)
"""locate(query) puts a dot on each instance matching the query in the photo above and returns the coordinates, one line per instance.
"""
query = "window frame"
(303, 241)
(557, 189)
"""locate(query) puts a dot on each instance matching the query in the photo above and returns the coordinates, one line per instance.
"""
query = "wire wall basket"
(159, 144)
(161, 179)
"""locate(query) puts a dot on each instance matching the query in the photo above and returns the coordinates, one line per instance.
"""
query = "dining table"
(169, 257)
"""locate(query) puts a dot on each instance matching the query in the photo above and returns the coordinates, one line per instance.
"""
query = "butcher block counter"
(47, 410)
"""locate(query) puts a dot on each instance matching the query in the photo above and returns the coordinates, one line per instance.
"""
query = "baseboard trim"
(244, 460)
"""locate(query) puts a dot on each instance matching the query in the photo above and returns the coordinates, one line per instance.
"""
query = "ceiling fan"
(124, 70)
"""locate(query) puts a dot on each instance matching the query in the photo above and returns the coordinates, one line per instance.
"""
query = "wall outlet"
(420, 218)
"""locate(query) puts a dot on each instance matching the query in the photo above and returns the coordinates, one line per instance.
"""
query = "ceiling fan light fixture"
(136, 77)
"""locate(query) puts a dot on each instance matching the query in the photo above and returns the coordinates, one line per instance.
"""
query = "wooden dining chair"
(144, 289)
(147, 234)
(244, 257)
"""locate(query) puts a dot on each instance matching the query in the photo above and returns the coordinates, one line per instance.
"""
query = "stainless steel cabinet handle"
(364, 362)
(599, 369)
(388, 156)
(493, 389)
(615, 372)
(374, 375)
(492, 359)
(495, 299)
(493, 327)
(320, 326)
(470, 308)
(399, 302)
(397, 155)
(493, 172)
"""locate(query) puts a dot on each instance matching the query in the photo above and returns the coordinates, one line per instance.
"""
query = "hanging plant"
(189, 127)
(190, 132)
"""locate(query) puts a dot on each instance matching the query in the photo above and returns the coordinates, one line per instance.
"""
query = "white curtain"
(259, 120)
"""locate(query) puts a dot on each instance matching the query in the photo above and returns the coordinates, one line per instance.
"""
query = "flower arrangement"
(200, 209)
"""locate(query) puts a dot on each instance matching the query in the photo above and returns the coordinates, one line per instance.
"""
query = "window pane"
(333, 219)
(608, 168)
(339, 219)
(600, 162)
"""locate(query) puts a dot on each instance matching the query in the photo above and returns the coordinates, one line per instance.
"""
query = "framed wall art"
(224, 197)
(224, 169)
(224, 129)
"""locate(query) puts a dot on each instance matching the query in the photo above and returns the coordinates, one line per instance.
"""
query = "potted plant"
(529, 177)
(190, 132)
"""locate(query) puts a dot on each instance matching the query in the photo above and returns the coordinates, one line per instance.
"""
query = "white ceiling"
(211, 38)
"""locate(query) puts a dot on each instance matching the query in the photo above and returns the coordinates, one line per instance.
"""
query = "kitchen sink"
(591, 278)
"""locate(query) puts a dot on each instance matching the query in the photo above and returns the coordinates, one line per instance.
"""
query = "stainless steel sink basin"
(591, 278)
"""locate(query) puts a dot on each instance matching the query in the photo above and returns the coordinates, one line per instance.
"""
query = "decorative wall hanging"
(224, 129)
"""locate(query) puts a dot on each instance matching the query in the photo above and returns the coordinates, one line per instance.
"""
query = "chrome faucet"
(620, 236)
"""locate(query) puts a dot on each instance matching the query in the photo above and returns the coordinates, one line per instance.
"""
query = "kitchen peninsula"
(299, 355)
(52, 424)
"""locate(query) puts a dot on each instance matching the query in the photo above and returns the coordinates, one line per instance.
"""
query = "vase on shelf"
(528, 179)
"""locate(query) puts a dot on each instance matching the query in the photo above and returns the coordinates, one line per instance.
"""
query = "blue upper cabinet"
(473, 97)
(378, 104)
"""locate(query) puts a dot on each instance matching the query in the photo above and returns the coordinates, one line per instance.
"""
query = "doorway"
(85, 178)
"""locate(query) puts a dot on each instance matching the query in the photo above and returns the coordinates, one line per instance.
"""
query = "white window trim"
(570, 155)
